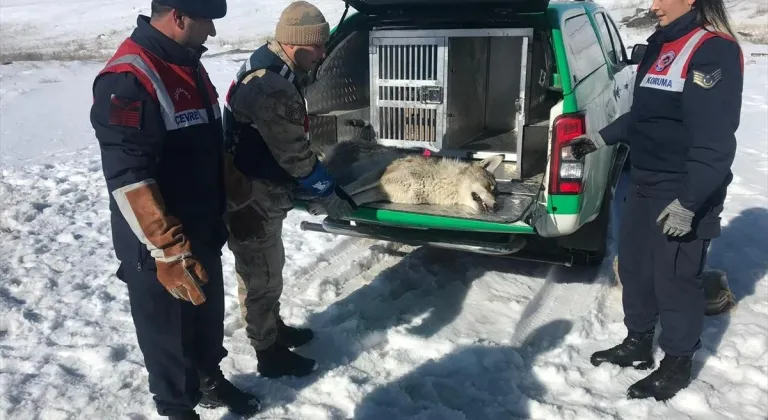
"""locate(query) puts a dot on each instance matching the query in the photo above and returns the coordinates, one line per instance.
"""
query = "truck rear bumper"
(481, 243)
(414, 220)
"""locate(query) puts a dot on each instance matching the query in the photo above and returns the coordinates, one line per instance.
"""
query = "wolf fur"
(370, 172)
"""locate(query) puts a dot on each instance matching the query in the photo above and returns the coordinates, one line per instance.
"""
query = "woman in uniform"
(681, 131)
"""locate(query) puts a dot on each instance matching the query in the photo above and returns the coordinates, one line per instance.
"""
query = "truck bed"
(514, 199)
(494, 141)
(375, 88)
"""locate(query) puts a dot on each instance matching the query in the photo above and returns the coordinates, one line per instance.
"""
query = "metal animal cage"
(440, 88)
(407, 86)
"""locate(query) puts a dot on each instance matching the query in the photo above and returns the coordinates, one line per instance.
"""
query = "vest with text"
(671, 67)
(173, 86)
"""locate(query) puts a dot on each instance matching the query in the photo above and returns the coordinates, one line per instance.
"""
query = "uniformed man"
(681, 130)
(267, 155)
(158, 123)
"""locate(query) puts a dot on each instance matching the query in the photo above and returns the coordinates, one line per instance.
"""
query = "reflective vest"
(252, 157)
(173, 86)
(671, 67)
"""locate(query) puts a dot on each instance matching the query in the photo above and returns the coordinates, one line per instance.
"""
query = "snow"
(87, 28)
(748, 18)
(401, 333)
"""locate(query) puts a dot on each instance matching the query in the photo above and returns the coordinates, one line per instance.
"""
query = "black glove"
(582, 146)
(337, 204)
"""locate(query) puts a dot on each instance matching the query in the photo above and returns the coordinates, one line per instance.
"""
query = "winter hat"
(301, 23)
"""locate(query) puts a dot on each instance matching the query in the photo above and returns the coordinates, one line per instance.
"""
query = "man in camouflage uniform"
(268, 155)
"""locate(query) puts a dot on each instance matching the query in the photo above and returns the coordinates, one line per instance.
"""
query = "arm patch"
(125, 112)
(294, 112)
(707, 80)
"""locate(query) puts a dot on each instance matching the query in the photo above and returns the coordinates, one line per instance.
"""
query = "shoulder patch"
(281, 91)
(294, 112)
(124, 112)
(277, 81)
(707, 80)
(257, 73)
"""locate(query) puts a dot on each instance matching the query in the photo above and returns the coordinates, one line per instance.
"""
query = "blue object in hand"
(319, 181)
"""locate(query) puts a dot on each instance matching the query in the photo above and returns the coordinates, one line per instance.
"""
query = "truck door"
(616, 56)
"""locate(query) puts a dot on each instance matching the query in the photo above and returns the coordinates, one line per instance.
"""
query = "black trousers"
(182, 343)
(661, 277)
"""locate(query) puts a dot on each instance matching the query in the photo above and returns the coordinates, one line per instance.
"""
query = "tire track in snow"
(567, 293)
(353, 264)
(351, 249)
(392, 254)
(348, 272)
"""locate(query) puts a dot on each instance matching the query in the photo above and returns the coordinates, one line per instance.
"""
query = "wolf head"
(478, 185)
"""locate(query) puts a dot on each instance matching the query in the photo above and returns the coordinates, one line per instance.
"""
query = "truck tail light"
(566, 172)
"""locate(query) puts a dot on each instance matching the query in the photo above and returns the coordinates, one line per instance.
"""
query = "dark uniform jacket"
(158, 123)
(681, 127)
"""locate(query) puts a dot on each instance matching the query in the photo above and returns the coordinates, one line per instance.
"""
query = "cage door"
(408, 90)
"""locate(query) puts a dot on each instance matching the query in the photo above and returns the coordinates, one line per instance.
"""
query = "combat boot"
(636, 350)
(219, 392)
(292, 337)
(673, 374)
(278, 360)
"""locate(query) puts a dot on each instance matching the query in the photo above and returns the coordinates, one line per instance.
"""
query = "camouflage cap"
(301, 23)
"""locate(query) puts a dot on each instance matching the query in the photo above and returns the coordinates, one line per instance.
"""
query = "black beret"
(204, 9)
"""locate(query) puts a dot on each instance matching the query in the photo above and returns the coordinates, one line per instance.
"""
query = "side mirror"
(638, 51)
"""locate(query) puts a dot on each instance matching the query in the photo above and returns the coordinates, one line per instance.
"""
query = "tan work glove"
(177, 269)
(182, 277)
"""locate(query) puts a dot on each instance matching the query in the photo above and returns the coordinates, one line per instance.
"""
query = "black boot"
(278, 360)
(636, 350)
(219, 392)
(292, 337)
(187, 415)
(673, 374)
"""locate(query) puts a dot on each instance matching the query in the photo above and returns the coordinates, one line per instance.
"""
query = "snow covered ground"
(401, 333)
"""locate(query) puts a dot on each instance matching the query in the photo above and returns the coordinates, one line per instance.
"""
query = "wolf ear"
(491, 162)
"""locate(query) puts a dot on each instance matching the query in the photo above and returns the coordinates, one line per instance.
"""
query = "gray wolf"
(370, 172)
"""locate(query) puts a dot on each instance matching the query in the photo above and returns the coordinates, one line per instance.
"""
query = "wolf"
(370, 172)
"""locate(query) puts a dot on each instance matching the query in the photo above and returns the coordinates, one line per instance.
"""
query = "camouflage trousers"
(257, 244)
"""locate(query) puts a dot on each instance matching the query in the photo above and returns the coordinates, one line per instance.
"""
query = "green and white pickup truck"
(475, 78)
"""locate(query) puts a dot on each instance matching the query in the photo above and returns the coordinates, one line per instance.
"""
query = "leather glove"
(182, 276)
(675, 220)
(178, 270)
(337, 205)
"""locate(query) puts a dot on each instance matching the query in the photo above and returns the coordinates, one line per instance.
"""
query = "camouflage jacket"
(271, 113)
